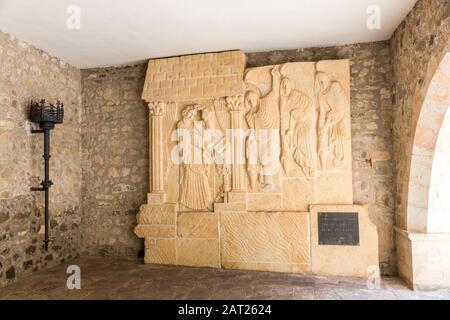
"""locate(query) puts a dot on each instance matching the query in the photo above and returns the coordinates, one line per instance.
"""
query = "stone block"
(424, 259)
(198, 225)
(345, 260)
(298, 193)
(274, 241)
(233, 206)
(157, 214)
(160, 251)
(334, 188)
(267, 266)
(237, 196)
(198, 252)
(264, 201)
(156, 198)
(154, 231)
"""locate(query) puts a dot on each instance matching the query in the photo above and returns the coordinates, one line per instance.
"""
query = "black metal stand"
(47, 116)
(46, 183)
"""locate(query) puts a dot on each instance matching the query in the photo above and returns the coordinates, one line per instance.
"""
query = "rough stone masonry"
(28, 73)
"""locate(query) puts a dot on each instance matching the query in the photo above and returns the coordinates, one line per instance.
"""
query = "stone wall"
(371, 117)
(115, 159)
(27, 73)
(417, 46)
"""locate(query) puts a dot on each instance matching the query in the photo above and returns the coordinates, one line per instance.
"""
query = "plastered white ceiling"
(116, 32)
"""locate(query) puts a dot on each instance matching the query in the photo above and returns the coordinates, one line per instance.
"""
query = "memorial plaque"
(338, 228)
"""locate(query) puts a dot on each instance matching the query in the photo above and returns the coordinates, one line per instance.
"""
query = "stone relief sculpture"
(297, 129)
(292, 113)
(258, 150)
(194, 185)
(262, 145)
(311, 130)
(332, 104)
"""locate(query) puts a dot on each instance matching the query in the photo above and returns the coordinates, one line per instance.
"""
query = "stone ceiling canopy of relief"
(209, 75)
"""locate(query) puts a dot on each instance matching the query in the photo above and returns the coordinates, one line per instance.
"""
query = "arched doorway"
(424, 247)
(439, 193)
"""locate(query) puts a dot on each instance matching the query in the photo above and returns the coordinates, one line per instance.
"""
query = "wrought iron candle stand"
(47, 116)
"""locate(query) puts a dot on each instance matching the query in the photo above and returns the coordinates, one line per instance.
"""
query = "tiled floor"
(119, 279)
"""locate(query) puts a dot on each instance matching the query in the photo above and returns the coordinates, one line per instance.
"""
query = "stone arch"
(428, 124)
(438, 218)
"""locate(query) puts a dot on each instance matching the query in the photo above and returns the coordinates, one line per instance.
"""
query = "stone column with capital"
(157, 194)
(238, 193)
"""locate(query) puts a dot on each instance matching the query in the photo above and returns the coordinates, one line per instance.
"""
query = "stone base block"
(154, 231)
(156, 198)
(161, 251)
(264, 201)
(237, 196)
(334, 187)
(198, 225)
(232, 237)
(298, 193)
(198, 239)
(236, 206)
(198, 252)
(271, 241)
(424, 259)
(165, 214)
(157, 224)
(345, 260)
(273, 267)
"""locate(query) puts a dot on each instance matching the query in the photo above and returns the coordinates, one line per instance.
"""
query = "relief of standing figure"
(194, 185)
(297, 129)
(331, 101)
(264, 123)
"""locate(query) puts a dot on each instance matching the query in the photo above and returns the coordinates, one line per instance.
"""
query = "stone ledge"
(165, 214)
(419, 236)
(154, 231)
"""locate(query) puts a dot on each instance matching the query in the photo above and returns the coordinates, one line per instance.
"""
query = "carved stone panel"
(298, 116)
(273, 241)
(192, 100)
(237, 157)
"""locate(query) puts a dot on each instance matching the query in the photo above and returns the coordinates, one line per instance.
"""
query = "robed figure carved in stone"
(332, 102)
(297, 129)
(194, 186)
(263, 145)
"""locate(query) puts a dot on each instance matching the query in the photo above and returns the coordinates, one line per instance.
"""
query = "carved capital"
(157, 108)
(235, 103)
